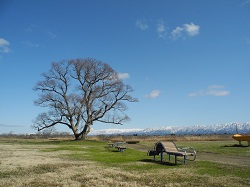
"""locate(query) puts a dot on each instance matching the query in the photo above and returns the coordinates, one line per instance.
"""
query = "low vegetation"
(91, 163)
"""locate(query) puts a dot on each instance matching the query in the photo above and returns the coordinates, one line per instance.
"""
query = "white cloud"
(214, 90)
(161, 29)
(153, 94)
(187, 29)
(123, 76)
(192, 29)
(4, 46)
(176, 33)
(141, 24)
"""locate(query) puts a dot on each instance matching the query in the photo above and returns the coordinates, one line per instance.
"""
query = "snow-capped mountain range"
(229, 128)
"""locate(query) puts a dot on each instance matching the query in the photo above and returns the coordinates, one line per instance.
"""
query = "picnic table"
(121, 146)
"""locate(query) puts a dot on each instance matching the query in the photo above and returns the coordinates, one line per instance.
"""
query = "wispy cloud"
(247, 40)
(176, 33)
(187, 29)
(30, 44)
(31, 28)
(161, 29)
(141, 24)
(10, 126)
(50, 34)
(123, 76)
(245, 3)
(4, 46)
(37, 30)
(153, 94)
(214, 90)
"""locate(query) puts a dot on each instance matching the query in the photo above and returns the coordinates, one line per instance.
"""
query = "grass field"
(90, 163)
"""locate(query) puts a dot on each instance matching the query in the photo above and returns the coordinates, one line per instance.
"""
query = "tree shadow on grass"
(158, 162)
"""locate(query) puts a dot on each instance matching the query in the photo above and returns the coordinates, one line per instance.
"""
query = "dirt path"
(228, 159)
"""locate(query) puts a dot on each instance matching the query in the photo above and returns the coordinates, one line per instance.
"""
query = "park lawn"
(91, 163)
(220, 147)
(217, 147)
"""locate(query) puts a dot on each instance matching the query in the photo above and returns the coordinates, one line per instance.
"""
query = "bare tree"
(80, 92)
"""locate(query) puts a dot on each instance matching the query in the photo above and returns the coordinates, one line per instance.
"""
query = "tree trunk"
(78, 136)
(83, 135)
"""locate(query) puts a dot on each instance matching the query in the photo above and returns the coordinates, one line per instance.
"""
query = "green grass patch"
(218, 147)
(219, 169)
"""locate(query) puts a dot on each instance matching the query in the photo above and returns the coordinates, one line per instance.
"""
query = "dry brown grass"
(214, 137)
(26, 165)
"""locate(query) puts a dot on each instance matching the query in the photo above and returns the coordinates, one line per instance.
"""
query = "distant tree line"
(39, 135)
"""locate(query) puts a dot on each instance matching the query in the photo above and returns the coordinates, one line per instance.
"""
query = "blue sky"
(188, 61)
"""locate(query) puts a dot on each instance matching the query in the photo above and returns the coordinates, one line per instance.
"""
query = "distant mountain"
(229, 128)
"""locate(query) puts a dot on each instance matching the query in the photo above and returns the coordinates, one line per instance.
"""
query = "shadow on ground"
(235, 145)
(158, 162)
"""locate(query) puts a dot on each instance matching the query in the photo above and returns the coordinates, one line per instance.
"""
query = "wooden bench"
(110, 145)
(170, 148)
(121, 146)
